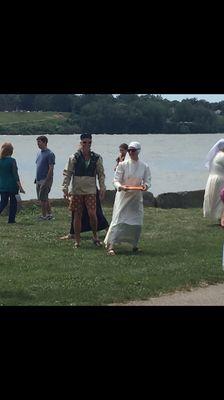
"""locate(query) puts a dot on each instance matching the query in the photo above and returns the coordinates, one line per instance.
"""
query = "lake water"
(176, 161)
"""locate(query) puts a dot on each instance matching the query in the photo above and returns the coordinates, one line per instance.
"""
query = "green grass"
(11, 118)
(36, 123)
(180, 250)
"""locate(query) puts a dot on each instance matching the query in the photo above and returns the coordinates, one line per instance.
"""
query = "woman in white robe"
(127, 218)
(213, 206)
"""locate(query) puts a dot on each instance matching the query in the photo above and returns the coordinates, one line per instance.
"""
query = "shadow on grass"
(20, 224)
(124, 251)
(149, 253)
(217, 225)
(15, 294)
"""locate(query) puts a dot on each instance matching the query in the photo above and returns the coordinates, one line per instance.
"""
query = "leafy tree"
(61, 103)
(42, 102)
(126, 113)
(27, 102)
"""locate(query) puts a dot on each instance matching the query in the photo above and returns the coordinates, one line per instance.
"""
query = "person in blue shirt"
(9, 181)
(44, 176)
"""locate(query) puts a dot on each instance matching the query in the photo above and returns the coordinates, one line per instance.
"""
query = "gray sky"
(212, 98)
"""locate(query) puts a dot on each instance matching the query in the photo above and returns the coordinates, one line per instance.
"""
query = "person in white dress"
(127, 218)
(213, 206)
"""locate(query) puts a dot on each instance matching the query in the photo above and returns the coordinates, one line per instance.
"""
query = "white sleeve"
(118, 176)
(147, 177)
(68, 172)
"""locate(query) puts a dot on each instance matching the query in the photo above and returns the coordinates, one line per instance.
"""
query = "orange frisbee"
(133, 187)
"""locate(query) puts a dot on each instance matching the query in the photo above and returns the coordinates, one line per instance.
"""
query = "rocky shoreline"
(191, 199)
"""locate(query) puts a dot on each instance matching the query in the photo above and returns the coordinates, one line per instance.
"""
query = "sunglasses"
(84, 141)
(132, 150)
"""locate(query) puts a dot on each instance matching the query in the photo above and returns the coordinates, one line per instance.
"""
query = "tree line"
(124, 113)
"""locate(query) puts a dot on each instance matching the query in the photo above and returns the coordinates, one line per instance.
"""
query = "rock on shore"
(191, 199)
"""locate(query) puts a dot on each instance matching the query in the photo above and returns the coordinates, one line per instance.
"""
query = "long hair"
(6, 150)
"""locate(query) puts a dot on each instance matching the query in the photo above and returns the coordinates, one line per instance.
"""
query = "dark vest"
(80, 166)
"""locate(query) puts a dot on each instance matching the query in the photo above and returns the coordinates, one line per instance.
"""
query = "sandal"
(67, 237)
(111, 252)
(96, 242)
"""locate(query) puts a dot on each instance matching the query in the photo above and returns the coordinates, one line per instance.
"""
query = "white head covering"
(135, 145)
(213, 151)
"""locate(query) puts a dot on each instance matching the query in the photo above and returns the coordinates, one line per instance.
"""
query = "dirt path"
(203, 296)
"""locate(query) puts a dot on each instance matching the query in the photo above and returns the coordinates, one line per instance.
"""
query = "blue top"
(44, 158)
(8, 175)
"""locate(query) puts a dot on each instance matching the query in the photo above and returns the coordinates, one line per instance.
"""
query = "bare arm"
(49, 175)
(16, 175)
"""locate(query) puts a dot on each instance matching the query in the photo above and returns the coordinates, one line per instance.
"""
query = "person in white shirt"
(127, 218)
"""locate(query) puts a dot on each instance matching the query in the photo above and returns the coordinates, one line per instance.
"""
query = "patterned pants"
(77, 202)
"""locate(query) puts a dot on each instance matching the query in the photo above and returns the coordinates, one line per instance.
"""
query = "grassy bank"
(24, 116)
(180, 250)
(30, 123)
